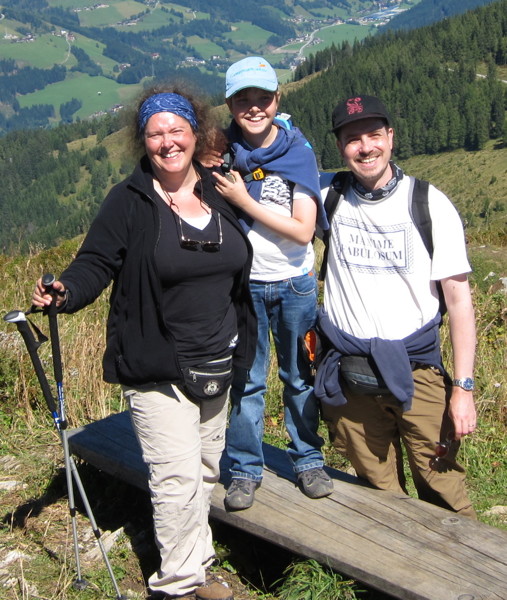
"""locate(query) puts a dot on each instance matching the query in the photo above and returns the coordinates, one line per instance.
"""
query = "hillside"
(431, 11)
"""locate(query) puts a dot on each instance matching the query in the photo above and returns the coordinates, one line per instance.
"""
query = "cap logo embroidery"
(354, 106)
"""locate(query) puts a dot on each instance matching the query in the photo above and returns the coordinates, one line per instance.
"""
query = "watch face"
(468, 384)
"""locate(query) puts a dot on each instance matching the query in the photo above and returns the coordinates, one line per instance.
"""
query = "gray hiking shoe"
(315, 483)
(240, 494)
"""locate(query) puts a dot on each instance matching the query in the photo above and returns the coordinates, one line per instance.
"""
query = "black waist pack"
(362, 376)
(208, 380)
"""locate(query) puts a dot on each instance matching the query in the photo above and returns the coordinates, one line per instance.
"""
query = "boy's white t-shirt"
(276, 257)
(380, 280)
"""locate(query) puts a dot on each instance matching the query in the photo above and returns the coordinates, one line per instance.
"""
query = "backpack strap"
(336, 191)
(420, 213)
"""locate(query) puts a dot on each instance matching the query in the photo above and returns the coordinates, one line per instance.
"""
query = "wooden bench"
(399, 545)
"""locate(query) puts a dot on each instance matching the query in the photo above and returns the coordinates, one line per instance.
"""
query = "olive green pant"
(369, 431)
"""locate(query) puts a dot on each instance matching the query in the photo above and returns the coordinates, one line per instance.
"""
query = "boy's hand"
(232, 187)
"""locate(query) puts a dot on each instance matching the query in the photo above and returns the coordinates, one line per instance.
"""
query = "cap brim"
(250, 84)
(361, 117)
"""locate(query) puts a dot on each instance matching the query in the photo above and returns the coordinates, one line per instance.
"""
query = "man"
(382, 383)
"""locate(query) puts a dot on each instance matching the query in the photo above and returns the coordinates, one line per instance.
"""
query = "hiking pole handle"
(19, 319)
(47, 281)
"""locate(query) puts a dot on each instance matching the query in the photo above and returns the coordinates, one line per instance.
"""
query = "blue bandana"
(167, 102)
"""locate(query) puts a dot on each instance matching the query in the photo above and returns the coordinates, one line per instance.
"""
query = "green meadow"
(153, 20)
(94, 49)
(205, 48)
(337, 34)
(44, 52)
(96, 94)
(249, 34)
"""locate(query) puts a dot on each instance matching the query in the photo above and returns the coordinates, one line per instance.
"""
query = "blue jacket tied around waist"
(392, 357)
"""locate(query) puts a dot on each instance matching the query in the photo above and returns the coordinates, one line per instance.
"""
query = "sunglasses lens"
(441, 450)
(189, 244)
(210, 246)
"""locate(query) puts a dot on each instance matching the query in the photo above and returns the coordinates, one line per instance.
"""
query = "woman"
(180, 315)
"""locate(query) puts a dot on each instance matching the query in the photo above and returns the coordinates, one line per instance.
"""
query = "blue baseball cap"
(252, 71)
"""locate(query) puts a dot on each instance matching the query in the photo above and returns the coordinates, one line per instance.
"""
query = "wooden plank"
(409, 549)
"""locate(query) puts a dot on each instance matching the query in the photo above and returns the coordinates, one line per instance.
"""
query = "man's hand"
(462, 412)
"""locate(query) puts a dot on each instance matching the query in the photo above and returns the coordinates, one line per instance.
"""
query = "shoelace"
(312, 475)
(243, 485)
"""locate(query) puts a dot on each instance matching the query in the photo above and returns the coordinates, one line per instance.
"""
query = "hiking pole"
(19, 319)
(29, 332)
(48, 281)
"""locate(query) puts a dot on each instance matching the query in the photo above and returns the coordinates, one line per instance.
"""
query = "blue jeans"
(288, 308)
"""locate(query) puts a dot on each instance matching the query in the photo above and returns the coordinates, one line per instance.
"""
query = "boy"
(275, 186)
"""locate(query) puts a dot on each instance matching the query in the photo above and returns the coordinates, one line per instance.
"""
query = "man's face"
(366, 146)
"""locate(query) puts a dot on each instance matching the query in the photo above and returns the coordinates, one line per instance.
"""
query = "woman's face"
(170, 143)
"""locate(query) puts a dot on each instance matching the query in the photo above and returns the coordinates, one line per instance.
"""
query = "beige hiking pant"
(369, 431)
(181, 442)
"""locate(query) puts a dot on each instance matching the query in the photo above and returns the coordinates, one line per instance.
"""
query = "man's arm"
(463, 340)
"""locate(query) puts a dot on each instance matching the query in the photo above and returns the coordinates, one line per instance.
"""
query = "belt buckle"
(258, 174)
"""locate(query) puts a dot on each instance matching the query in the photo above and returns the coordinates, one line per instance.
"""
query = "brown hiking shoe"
(213, 591)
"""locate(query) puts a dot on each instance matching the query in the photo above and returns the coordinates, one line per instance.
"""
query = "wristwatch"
(467, 383)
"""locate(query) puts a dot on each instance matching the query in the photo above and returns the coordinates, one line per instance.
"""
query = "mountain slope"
(431, 11)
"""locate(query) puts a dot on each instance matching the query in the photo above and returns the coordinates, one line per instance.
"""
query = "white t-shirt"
(274, 256)
(380, 280)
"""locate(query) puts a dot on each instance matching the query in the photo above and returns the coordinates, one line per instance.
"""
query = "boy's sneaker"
(241, 493)
(213, 590)
(315, 483)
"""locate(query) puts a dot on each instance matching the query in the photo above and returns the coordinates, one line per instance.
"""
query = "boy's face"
(253, 110)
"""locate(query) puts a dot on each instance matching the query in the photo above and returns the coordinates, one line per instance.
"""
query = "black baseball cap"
(359, 107)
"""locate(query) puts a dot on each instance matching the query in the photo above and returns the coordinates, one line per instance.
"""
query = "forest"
(427, 77)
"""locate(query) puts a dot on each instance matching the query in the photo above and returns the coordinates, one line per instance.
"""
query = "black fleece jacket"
(120, 247)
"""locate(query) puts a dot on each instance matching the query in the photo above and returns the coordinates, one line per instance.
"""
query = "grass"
(308, 580)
